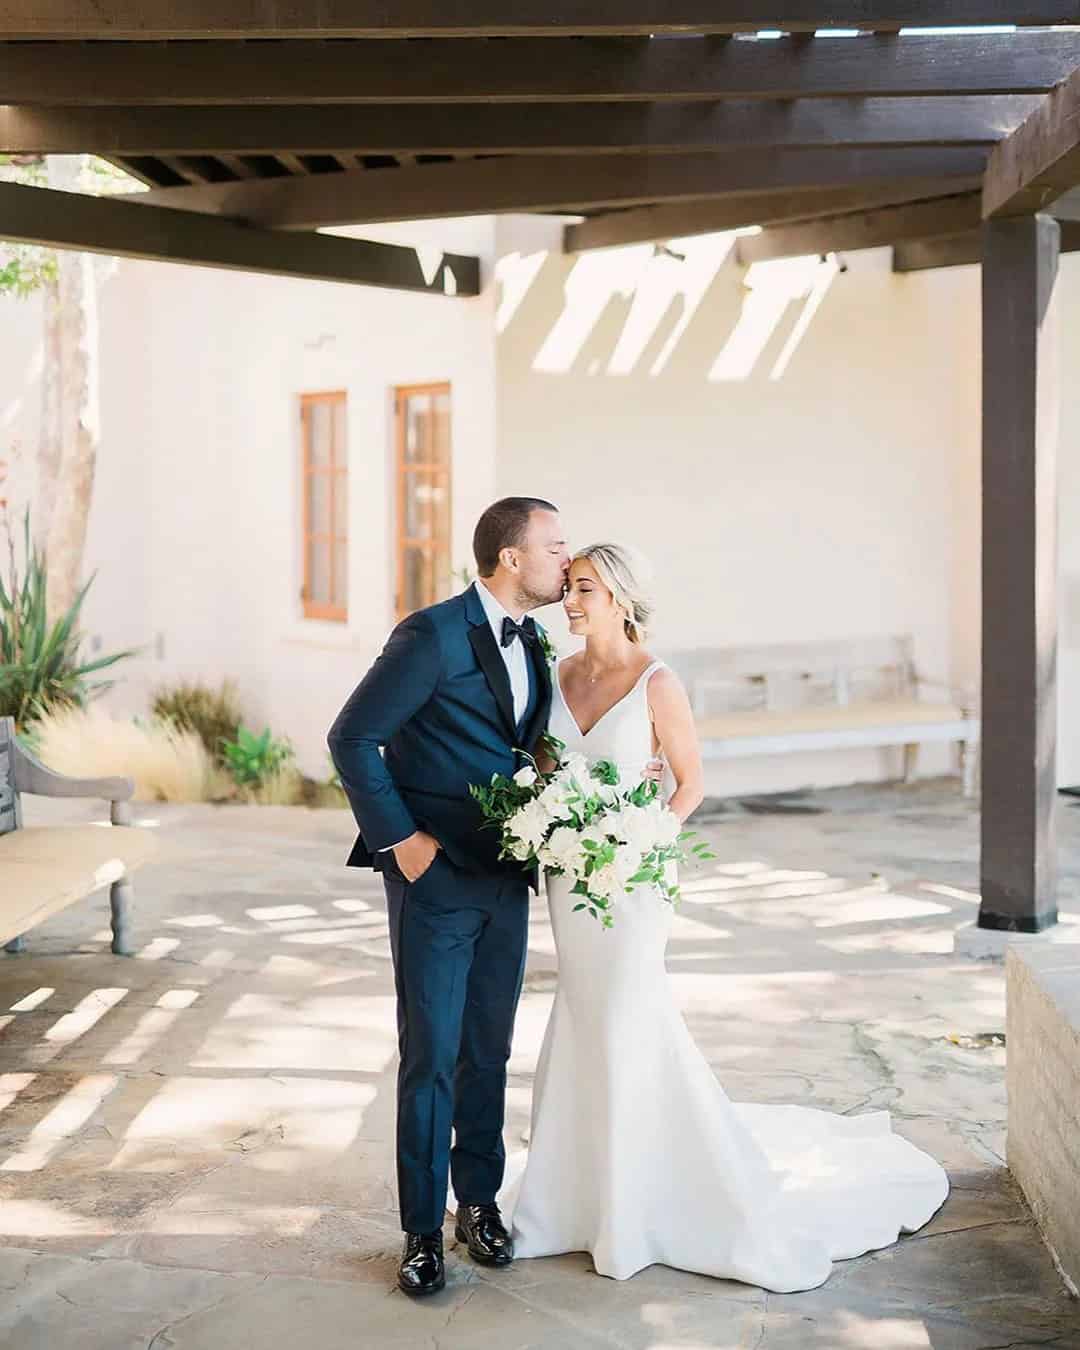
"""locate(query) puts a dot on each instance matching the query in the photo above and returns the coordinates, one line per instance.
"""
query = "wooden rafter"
(160, 19)
(117, 226)
(864, 229)
(921, 255)
(479, 187)
(1041, 159)
(517, 129)
(614, 229)
(531, 70)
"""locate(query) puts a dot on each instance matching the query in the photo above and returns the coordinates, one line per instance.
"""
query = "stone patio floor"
(195, 1145)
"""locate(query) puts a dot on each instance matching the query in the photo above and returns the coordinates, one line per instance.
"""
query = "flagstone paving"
(196, 1144)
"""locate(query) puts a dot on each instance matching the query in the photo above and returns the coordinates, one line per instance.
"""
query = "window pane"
(338, 451)
(414, 577)
(341, 504)
(341, 573)
(318, 503)
(440, 429)
(418, 428)
(424, 494)
(318, 571)
(319, 430)
(440, 514)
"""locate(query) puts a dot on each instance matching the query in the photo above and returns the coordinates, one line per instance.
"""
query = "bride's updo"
(628, 577)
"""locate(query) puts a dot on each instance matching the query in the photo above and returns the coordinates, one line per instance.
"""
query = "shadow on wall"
(646, 311)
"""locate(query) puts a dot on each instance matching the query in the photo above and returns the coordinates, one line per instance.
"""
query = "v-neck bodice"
(623, 733)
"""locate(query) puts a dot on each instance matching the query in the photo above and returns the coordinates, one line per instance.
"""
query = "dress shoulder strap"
(647, 674)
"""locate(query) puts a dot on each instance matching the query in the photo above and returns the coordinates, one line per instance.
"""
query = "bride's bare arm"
(673, 722)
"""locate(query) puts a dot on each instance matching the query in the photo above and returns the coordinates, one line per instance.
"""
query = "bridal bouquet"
(581, 821)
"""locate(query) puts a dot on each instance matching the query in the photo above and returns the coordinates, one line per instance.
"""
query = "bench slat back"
(788, 675)
(10, 818)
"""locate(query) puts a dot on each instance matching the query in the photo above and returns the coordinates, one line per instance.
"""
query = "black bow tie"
(526, 631)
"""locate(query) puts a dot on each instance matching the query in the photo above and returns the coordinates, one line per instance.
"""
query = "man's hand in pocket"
(416, 854)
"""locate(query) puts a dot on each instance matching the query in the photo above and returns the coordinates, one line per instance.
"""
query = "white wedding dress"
(637, 1155)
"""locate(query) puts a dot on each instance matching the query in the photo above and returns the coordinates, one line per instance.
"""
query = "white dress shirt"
(515, 657)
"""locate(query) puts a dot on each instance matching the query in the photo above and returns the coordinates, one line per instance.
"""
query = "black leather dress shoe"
(422, 1270)
(481, 1228)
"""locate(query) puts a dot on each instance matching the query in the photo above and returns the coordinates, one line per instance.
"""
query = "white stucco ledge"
(991, 944)
(1043, 1082)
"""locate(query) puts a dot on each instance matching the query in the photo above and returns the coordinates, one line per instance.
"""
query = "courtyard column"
(1020, 414)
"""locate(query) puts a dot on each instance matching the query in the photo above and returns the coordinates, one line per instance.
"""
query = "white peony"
(637, 826)
(563, 849)
(525, 777)
(530, 823)
(575, 766)
(627, 861)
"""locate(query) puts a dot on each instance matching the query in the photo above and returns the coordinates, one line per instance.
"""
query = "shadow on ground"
(196, 1144)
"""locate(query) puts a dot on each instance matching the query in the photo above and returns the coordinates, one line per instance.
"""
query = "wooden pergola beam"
(679, 220)
(161, 19)
(863, 229)
(1041, 159)
(531, 70)
(528, 183)
(922, 255)
(471, 129)
(116, 226)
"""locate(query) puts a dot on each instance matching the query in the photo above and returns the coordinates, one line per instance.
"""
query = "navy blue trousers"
(459, 941)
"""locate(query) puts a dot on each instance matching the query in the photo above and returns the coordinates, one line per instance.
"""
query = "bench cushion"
(845, 717)
(44, 869)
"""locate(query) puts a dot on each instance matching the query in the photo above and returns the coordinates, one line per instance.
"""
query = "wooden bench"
(785, 697)
(44, 869)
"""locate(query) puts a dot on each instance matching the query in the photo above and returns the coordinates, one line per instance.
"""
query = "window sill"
(322, 633)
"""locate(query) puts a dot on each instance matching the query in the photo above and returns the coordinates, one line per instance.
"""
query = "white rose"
(603, 881)
(525, 777)
(555, 796)
(576, 766)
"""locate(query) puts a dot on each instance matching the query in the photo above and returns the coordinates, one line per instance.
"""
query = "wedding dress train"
(636, 1153)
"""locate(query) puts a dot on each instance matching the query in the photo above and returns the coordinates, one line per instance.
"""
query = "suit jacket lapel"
(542, 675)
(489, 658)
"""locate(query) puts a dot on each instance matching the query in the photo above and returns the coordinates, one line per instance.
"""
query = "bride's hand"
(654, 770)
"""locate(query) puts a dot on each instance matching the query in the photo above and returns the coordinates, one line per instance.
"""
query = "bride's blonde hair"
(628, 576)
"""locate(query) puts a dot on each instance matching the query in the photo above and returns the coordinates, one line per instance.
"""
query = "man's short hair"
(503, 525)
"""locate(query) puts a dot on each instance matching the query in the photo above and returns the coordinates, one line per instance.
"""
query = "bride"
(636, 1153)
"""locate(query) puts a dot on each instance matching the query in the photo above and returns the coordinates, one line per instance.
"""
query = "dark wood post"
(1020, 406)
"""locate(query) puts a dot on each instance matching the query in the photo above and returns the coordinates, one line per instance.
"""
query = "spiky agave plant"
(40, 665)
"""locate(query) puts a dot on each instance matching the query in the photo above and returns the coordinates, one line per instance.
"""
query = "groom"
(457, 689)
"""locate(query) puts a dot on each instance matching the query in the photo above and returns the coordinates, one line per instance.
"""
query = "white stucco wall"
(195, 520)
(796, 450)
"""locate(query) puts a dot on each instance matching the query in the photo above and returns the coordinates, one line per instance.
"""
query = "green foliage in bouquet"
(586, 816)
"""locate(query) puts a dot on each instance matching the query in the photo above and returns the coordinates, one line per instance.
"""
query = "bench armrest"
(30, 775)
(964, 696)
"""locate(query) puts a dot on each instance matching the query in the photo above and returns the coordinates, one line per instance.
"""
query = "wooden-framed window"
(325, 511)
(422, 438)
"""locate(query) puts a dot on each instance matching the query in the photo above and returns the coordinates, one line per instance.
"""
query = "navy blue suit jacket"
(438, 702)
